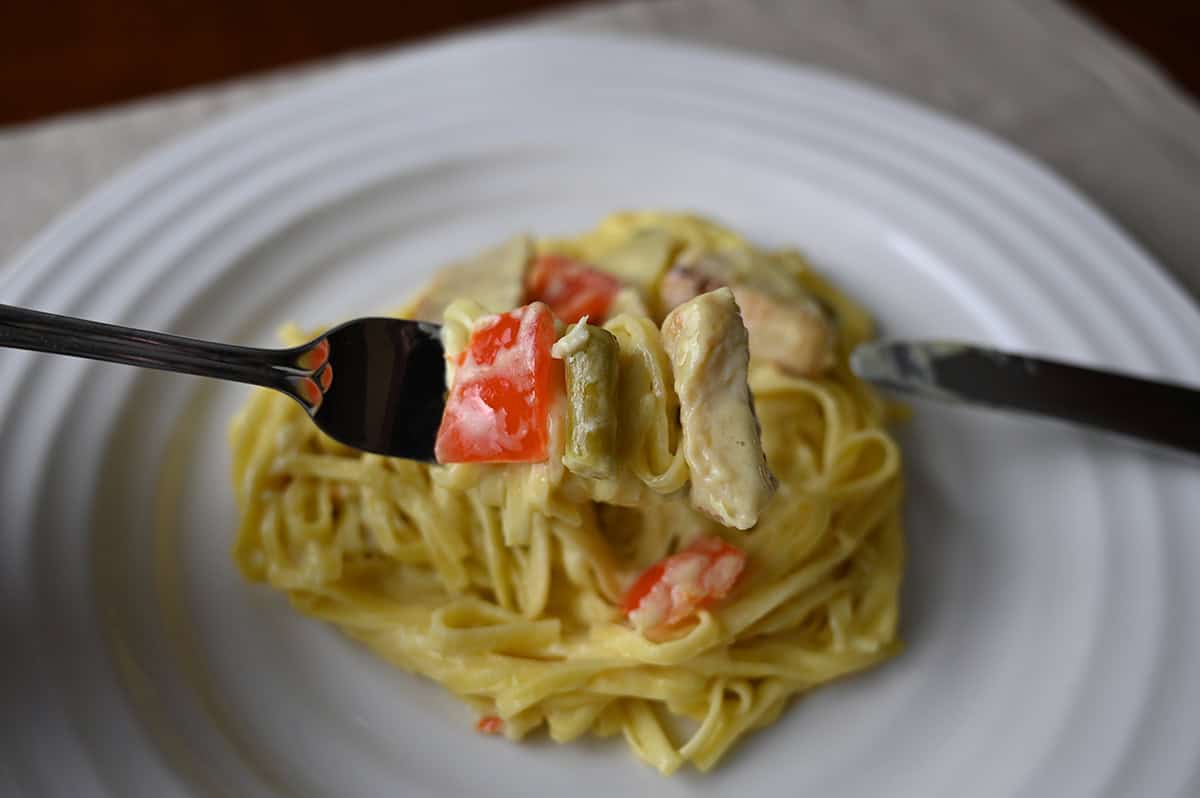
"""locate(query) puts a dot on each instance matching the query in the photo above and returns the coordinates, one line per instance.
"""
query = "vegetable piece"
(499, 406)
(673, 589)
(571, 288)
(791, 330)
(590, 355)
(493, 278)
(490, 724)
(628, 300)
(706, 343)
(641, 261)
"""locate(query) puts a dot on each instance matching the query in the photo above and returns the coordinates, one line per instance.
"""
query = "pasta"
(503, 582)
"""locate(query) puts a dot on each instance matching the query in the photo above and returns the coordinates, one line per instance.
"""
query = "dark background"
(64, 55)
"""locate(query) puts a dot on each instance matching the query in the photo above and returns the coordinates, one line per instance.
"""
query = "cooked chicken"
(686, 281)
(706, 343)
(789, 329)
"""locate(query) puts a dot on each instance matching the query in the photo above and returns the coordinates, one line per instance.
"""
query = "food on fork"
(590, 355)
(706, 343)
(503, 388)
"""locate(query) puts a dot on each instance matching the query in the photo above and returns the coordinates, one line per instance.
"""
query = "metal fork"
(375, 384)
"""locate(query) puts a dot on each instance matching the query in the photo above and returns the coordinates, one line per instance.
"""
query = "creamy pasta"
(503, 582)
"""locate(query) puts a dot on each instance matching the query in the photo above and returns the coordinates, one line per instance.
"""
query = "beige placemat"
(1032, 71)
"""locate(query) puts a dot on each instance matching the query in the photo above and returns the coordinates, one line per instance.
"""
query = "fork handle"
(281, 369)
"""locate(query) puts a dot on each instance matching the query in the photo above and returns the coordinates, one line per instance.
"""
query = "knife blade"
(1160, 412)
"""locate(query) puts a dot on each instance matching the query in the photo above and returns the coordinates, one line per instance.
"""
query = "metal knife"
(1159, 412)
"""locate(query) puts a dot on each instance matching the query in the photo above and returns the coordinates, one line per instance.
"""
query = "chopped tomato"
(674, 588)
(572, 289)
(489, 724)
(498, 410)
(492, 335)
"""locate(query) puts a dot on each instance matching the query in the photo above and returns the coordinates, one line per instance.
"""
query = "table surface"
(1037, 73)
(70, 55)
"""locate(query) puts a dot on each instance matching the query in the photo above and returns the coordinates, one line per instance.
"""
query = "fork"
(374, 384)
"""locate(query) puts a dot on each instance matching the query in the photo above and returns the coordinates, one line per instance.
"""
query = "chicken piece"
(706, 343)
(689, 279)
(495, 278)
(797, 336)
(788, 328)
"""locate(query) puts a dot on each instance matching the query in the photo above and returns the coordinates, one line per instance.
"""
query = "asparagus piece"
(590, 354)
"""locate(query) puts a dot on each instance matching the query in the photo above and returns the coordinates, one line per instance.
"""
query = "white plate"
(1052, 593)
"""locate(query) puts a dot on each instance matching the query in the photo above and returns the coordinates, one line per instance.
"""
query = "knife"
(1150, 410)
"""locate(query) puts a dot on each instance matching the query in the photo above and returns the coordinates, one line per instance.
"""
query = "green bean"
(590, 354)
